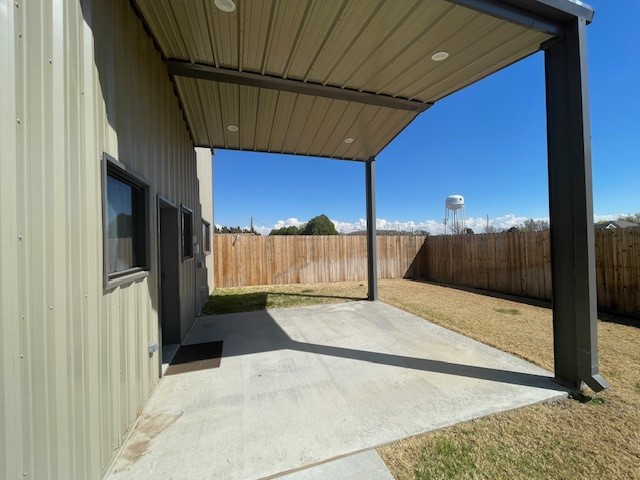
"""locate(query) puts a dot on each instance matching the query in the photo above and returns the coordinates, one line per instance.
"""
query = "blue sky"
(486, 142)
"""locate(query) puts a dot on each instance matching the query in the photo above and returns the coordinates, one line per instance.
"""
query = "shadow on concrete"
(258, 332)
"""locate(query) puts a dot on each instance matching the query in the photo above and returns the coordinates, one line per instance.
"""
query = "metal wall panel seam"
(10, 433)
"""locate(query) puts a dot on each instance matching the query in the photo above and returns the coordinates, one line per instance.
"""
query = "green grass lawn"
(246, 299)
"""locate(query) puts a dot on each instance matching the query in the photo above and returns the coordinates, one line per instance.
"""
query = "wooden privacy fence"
(520, 264)
(516, 263)
(243, 260)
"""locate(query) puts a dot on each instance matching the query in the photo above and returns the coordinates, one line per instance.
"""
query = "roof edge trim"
(541, 15)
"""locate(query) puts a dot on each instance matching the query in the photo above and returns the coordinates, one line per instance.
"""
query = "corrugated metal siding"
(81, 79)
(379, 46)
(204, 159)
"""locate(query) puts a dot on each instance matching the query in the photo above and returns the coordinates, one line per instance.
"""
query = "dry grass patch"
(597, 438)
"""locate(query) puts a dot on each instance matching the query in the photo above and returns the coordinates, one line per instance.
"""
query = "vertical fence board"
(519, 263)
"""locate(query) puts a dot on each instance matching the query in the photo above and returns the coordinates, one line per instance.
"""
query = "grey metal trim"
(558, 9)
(372, 252)
(204, 222)
(513, 14)
(183, 209)
(548, 16)
(161, 198)
(573, 267)
(111, 281)
(207, 72)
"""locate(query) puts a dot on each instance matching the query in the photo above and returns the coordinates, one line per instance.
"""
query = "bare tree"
(456, 228)
(633, 218)
(533, 225)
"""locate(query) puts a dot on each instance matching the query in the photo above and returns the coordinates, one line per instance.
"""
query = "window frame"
(184, 209)
(206, 239)
(116, 169)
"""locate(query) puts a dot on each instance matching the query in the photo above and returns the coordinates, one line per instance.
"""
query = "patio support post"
(571, 210)
(372, 267)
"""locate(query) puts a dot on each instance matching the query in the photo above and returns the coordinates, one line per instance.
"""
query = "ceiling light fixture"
(232, 128)
(439, 56)
(348, 140)
(227, 6)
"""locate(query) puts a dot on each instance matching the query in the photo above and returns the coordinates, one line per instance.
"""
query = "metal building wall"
(204, 159)
(78, 78)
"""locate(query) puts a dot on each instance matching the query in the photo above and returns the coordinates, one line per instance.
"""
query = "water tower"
(454, 213)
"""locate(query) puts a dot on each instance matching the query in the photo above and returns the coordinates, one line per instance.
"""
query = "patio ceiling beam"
(571, 210)
(207, 72)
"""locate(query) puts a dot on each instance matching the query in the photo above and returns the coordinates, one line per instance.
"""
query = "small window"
(126, 231)
(187, 233)
(206, 237)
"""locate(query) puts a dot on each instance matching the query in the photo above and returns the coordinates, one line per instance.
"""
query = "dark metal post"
(372, 267)
(571, 210)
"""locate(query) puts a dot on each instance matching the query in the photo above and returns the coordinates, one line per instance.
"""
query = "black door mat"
(191, 358)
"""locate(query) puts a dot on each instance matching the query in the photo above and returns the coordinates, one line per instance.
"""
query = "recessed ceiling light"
(225, 5)
(348, 140)
(232, 128)
(439, 56)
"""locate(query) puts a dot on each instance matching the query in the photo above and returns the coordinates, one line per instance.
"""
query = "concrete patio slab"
(365, 465)
(304, 385)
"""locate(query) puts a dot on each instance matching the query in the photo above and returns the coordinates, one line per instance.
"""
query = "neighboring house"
(615, 224)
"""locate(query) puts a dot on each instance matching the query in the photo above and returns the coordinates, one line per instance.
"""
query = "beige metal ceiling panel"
(497, 35)
(358, 22)
(223, 31)
(379, 46)
(192, 24)
(166, 31)
(304, 105)
(272, 121)
(313, 123)
(285, 105)
(255, 17)
(320, 20)
(348, 126)
(190, 96)
(290, 16)
(230, 108)
(444, 34)
(249, 98)
(380, 130)
(523, 45)
(266, 107)
(329, 132)
(364, 62)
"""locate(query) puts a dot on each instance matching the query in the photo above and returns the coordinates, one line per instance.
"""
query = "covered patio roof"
(300, 77)
(341, 78)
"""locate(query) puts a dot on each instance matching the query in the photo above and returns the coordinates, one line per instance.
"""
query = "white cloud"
(434, 227)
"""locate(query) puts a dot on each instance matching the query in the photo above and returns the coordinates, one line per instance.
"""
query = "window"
(187, 233)
(126, 231)
(206, 237)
